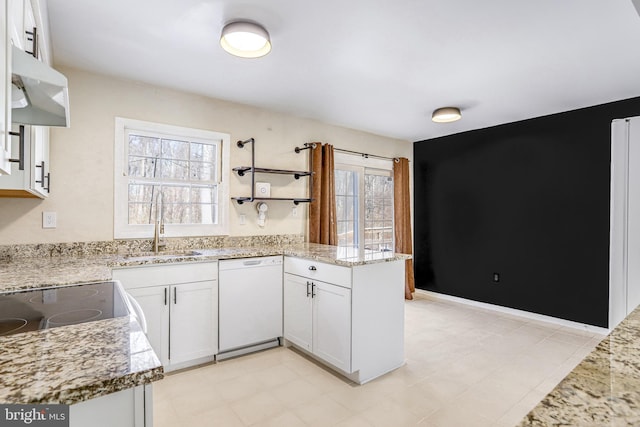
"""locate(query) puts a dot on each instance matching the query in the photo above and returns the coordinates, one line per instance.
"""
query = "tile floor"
(466, 366)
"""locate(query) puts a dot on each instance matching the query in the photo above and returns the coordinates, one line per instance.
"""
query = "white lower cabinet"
(298, 311)
(154, 303)
(193, 329)
(132, 407)
(180, 304)
(318, 319)
(332, 324)
(351, 318)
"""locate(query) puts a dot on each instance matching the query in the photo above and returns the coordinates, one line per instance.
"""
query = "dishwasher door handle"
(252, 262)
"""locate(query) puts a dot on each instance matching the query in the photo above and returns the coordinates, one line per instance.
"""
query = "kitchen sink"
(139, 255)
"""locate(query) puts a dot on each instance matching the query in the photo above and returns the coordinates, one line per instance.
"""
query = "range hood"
(39, 94)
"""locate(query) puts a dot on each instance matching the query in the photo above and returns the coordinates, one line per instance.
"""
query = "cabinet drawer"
(167, 274)
(311, 269)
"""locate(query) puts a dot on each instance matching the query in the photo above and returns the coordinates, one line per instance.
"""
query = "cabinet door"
(332, 324)
(5, 87)
(28, 26)
(114, 409)
(40, 159)
(155, 306)
(17, 22)
(193, 326)
(297, 311)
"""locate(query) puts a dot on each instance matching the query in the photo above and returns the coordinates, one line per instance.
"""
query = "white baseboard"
(515, 312)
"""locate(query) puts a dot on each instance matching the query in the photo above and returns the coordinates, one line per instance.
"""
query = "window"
(169, 174)
(364, 203)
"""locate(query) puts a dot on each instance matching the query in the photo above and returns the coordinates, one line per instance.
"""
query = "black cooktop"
(60, 306)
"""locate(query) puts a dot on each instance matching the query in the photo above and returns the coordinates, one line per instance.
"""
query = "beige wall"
(82, 157)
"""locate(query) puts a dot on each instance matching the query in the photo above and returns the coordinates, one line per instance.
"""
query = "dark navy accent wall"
(518, 214)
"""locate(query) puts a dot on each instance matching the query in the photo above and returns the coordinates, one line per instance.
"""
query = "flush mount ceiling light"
(446, 115)
(245, 39)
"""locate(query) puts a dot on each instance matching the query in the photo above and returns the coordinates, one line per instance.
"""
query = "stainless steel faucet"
(158, 243)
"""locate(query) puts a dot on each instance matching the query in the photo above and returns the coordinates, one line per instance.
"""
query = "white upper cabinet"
(17, 22)
(5, 87)
(24, 30)
(29, 177)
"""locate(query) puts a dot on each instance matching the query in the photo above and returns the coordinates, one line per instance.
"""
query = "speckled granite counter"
(27, 273)
(603, 390)
(74, 363)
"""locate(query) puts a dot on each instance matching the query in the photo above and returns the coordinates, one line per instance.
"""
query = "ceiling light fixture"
(446, 115)
(245, 39)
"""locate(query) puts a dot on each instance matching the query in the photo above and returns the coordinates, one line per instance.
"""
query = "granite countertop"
(604, 389)
(74, 363)
(27, 273)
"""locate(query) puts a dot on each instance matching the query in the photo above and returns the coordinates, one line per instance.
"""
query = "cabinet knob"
(313, 268)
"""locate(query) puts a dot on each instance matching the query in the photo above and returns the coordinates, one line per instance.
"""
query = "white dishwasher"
(250, 304)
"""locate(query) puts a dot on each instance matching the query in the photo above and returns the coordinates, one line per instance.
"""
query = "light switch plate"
(49, 220)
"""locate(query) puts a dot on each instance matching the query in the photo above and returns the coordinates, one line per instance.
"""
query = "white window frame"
(121, 227)
(362, 165)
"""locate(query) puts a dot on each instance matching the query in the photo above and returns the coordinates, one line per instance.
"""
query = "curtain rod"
(365, 155)
(308, 145)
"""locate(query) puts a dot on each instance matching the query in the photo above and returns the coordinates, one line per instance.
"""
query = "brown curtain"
(402, 219)
(322, 211)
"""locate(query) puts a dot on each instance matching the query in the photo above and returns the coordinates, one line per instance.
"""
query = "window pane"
(141, 193)
(175, 194)
(340, 210)
(143, 167)
(203, 152)
(341, 182)
(175, 213)
(202, 171)
(346, 235)
(141, 213)
(388, 209)
(204, 214)
(378, 212)
(388, 188)
(204, 195)
(175, 149)
(144, 146)
(174, 169)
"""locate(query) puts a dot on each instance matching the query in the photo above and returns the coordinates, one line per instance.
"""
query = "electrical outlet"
(294, 211)
(243, 219)
(496, 277)
(49, 220)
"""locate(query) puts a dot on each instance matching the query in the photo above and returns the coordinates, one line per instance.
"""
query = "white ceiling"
(377, 65)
